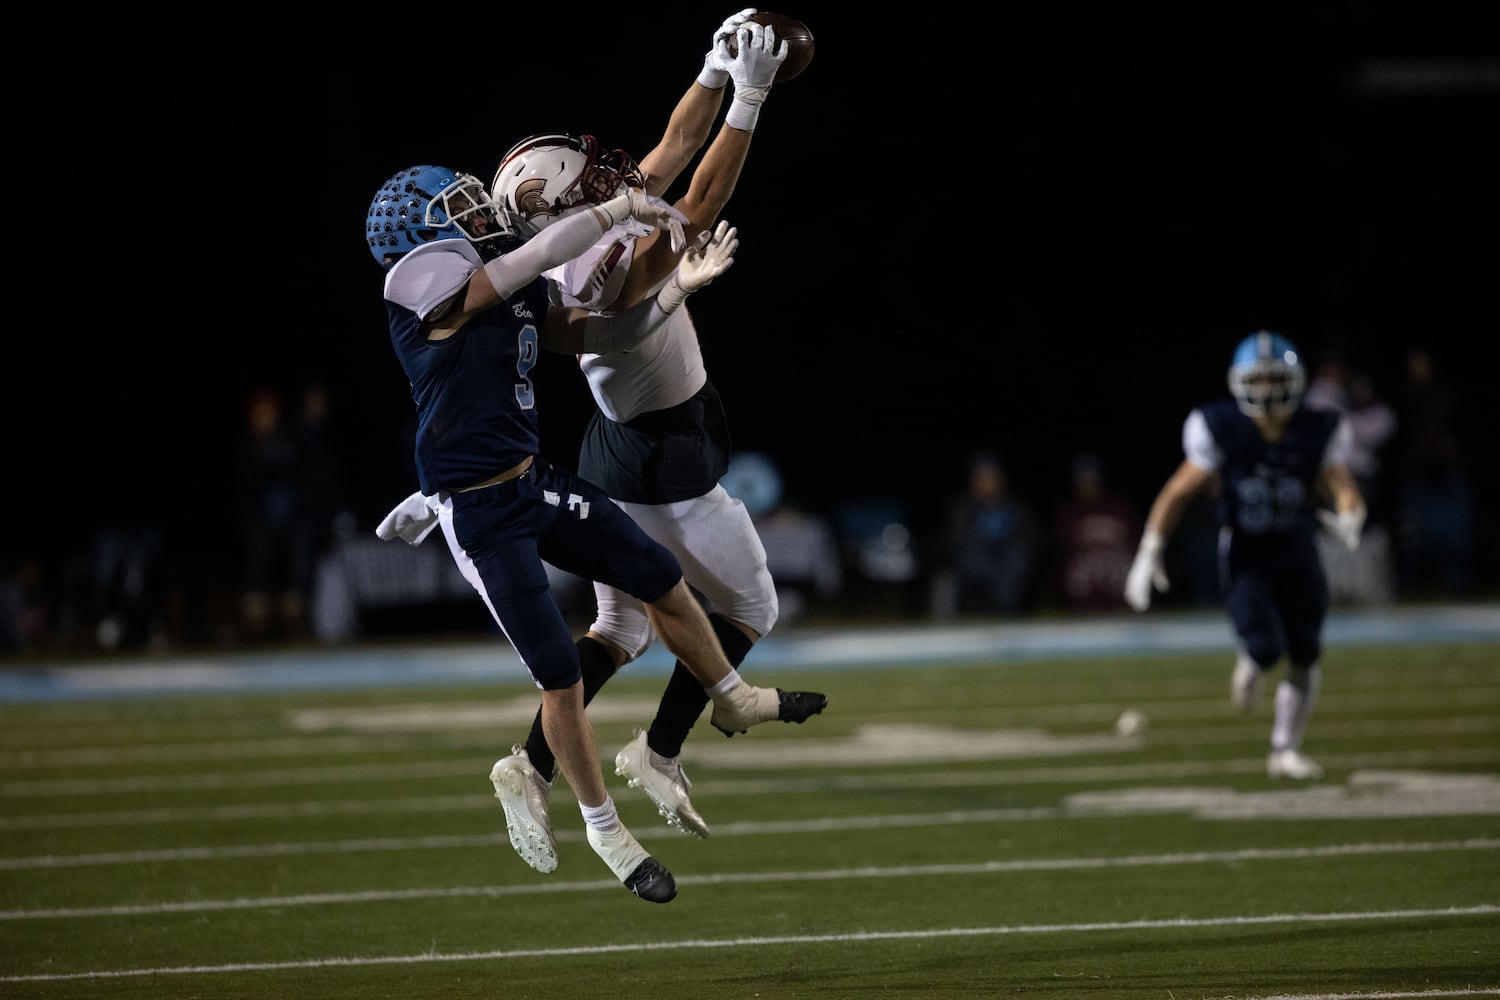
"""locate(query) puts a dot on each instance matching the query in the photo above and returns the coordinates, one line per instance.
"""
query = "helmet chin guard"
(545, 175)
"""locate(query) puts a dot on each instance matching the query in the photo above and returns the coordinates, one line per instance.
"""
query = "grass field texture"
(941, 831)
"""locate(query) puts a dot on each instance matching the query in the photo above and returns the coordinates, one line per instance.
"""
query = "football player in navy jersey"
(659, 441)
(1281, 468)
(468, 314)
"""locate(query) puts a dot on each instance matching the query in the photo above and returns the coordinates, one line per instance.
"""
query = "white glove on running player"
(1346, 527)
(1148, 570)
(700, 266)
(411, 520)
(753, 69)
(641, 211)
(714, 74)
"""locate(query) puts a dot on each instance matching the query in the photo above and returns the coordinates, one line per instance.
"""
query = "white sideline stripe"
(827, 875)
(384, 773)
(1119, 635)
(803, 939)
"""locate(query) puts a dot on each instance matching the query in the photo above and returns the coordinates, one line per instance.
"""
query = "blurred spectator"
(801, 551)
(1435, 503)
(1372, 421)
(880, 554)
(1366, 575)
(323, 515)
(23, 607)
(271, 507)
(1094, 535)
(989, 546)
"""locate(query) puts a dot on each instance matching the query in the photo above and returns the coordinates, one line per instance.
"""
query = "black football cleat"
(652, 882)
(799, 706)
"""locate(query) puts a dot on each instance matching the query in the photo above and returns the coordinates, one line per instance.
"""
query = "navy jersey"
(1275, 588)
(476, 406)
(1268, 498)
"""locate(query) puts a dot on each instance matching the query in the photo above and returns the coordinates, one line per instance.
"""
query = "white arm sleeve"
(1341, 446)
(1198, 445)
(561, 241)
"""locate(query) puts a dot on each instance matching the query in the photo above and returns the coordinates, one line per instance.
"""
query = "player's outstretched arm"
(564, 240)
(692, 119)
(579, 331)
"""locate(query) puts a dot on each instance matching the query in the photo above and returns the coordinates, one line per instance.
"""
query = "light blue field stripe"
(797, 648)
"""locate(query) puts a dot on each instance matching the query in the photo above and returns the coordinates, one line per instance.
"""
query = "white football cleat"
(1291, 764)
(523, 795)
(664, 781)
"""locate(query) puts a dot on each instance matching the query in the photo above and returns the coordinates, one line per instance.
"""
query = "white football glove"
(700, 266)
(706, 261)
(411, 520)
(1346, 527)
(754, 65)
(715, 74)
(640, 212)
(1147, 571)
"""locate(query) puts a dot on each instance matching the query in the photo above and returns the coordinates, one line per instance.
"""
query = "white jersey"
(663, 371)
(712, 535)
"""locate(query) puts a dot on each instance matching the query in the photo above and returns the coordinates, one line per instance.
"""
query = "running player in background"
(1282, 468)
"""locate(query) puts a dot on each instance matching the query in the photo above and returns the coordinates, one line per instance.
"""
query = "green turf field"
(941, 831)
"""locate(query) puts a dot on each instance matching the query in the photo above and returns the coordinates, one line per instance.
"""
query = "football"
(798, 39)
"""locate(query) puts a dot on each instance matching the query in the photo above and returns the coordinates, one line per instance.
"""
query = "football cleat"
(799, 706)
(749, 706)
(523, 795)
(637, 871)
(664, 781)
(1291, 764)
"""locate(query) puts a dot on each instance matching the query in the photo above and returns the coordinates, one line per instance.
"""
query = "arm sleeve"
(1198, 445)
(561, 241)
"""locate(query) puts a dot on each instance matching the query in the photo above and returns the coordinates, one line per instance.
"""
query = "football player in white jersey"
(659, 442)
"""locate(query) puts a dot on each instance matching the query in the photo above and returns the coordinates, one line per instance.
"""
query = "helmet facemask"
(1270, 388)
(466, 207)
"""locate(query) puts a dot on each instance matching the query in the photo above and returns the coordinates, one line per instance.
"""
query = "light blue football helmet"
(1266, 375)
(424, 204)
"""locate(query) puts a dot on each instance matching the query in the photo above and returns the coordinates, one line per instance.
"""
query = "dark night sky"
(1035, 234)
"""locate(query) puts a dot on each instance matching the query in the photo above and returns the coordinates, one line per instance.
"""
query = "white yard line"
(815, 826)
(425, 958)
